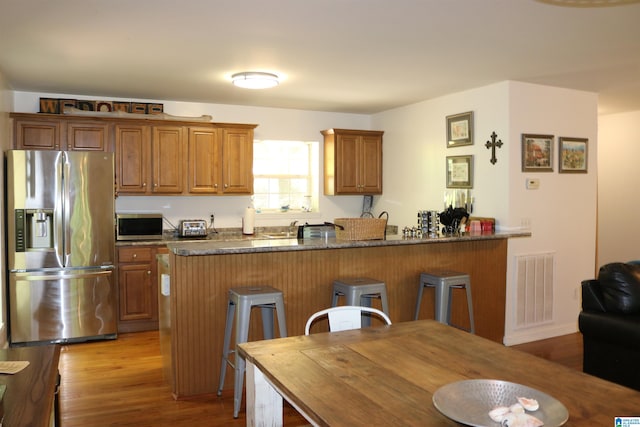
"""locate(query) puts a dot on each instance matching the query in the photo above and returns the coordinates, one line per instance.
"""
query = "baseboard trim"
(537, 334)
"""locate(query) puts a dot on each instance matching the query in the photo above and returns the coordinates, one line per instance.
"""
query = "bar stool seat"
(245, 298)
(444, 281)
(360, 291)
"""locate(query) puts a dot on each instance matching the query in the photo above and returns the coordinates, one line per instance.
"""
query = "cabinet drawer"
(135, 254)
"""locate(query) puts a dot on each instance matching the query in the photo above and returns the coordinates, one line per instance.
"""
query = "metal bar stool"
(444, 282)
(360, 291)
(245, 298)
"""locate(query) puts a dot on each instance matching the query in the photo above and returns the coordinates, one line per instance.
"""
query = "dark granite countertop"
(256, 244)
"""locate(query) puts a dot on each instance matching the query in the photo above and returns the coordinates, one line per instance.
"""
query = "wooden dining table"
(387, 375)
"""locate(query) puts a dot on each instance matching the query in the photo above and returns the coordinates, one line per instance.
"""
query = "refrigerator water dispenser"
(34, 229)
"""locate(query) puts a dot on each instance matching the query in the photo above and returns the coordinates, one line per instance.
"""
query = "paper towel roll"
(248, 220)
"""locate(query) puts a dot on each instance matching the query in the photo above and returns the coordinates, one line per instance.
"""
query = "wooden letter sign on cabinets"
(352, 162)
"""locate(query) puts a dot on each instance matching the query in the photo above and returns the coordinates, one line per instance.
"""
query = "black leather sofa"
(610, 324)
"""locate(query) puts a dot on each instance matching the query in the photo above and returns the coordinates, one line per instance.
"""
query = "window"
(285, 175)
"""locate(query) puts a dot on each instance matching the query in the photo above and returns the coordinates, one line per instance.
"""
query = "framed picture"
(460, 129)
(572, 155)
(459, 171)
(537, 153)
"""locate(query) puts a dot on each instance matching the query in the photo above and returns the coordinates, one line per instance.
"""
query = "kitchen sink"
(279, 235)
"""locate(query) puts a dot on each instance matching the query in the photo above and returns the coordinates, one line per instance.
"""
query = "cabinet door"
(237, 161)
(38, 135)
(167, 150)
(88, 136)
(132, 159)
(203, 161)
(134, 281)
(138, 288)
(347, 164)
(370, 166)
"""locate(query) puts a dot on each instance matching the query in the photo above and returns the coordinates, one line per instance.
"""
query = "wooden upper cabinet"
(352, 162)
(133, 158)
(88, 136)
(237, 160)
(51, 132)
(371, 163)
(167, 153)
(153, 157)
(203, 161)
(37, 134)
(220, 160)
(149, 159)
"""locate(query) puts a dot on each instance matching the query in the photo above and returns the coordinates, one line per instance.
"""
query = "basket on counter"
(360, 228)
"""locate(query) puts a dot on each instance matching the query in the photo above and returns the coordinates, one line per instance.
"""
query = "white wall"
(415, 149)
(273, 123)
(561, 212)
(618, 177)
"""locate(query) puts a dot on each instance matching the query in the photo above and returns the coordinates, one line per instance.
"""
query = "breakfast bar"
(202, 273)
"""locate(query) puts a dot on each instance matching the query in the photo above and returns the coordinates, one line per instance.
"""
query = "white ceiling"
(355, 56)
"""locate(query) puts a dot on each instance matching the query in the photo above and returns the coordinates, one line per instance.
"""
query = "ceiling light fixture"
(255, 80)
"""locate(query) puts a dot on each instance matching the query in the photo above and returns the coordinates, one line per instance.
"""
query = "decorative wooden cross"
(493, 144)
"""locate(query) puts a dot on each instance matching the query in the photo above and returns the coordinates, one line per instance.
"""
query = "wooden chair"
(345, 317)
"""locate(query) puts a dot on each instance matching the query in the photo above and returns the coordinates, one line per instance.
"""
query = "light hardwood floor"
(120, 383)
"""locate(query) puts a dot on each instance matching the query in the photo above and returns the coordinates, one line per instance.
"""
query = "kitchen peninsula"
(202, 272)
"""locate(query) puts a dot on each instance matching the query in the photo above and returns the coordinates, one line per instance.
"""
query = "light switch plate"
(533, 183)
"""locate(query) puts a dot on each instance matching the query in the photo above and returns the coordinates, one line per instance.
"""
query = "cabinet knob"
(215, 185)
(144, 184)
(148, 272)
(226, 186)
(135, 256)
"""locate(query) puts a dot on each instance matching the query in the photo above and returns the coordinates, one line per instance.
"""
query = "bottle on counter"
(248, 220)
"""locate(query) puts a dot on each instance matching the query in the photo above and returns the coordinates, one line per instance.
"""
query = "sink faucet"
(292, 226)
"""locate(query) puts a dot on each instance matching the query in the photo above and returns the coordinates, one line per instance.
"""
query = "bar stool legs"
(444, 282)
(244, 299)
(360, 291)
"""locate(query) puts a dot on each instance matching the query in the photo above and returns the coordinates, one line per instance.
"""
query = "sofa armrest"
(592, 298)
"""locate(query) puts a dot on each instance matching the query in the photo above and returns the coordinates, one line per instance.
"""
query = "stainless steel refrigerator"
(60, 246)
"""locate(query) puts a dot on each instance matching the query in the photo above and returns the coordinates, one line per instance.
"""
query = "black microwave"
(139, 226)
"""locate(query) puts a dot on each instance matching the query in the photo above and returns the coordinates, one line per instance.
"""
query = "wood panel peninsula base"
(202, 273)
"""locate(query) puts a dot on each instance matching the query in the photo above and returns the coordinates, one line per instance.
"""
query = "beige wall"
(619, 175)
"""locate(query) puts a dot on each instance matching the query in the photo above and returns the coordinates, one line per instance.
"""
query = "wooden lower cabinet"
(138, 288)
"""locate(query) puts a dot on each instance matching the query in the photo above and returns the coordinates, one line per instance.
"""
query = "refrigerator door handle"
(71, 274)
(66, 214)
(59, 212)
